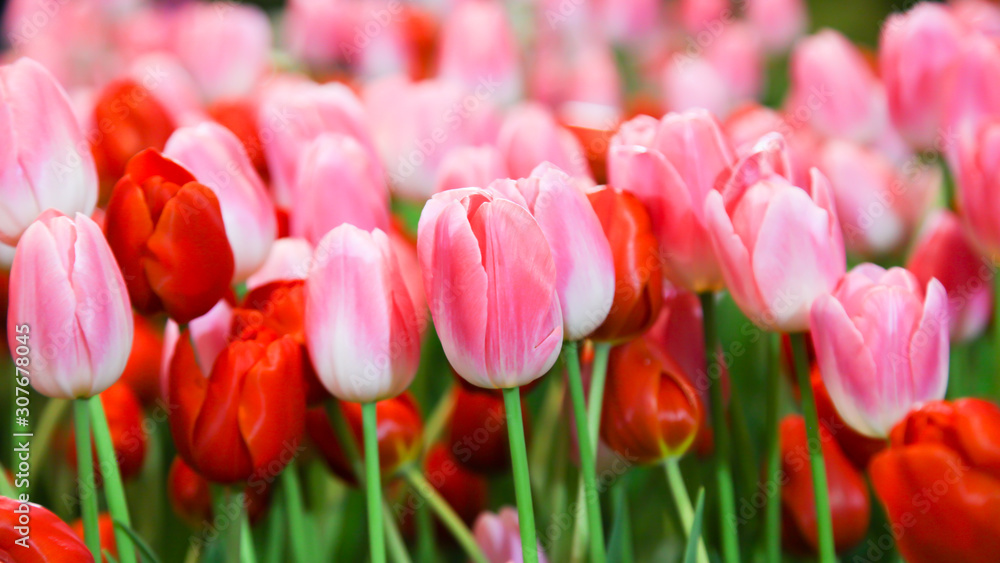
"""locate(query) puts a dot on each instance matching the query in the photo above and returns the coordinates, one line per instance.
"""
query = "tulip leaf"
(108, 557)
(147, 552)
(691, 551)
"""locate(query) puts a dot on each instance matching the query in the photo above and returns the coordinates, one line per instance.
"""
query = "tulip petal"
(271, 398)
(734, 259)
(929, 347)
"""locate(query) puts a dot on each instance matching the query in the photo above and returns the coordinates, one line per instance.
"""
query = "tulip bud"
(779, 22)
(499, 536)
(858, 448)
(209, 333)
(125, 422)
(470, 166)
(477, 433)
(881, 345)
(466, 492)
(44, 538)
(191, 497)
(219, 162)
(976, 162)
(638, 279)
(168, 236)
(239, 115)
(850, 507)
(649, 412)
(499, 320)
(530, 135)
(44, 162)
(67, 297)
(477, 41)
(400, 431)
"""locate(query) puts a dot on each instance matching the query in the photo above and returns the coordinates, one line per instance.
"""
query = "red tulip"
(464, 490)
(635, 252)
(29, 533)
(940, 482)
(106, 531)
(142, 372)
(166, 231)
(400, 430)
(239, 115)
(849, 504)
(477, 434)
(244, 419)
(191, 497)
(649, 412)
(125, 421)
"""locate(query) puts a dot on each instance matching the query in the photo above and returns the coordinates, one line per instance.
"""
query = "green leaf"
(147, 552)
(691, 551)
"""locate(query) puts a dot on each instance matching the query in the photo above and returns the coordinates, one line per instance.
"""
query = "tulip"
(918, 52)
(882, 346)
(44, 162)
(131, 120)
(289, 259)
(477, 433)
(780, 247)
(358, 197)
(142, 371)
(191, 497)
(321, 32)
(499, 321)
(848, 492)
(219, 162)
(242, 421)
(400, 431)
(209, 333)
(703, 15)
(980, 16)
(779, 22)
(939, 482)
(975, 94)
(944, 252)
(470, 166)
(530, 135)
(974, 160)
(478, 40)
(499, 536)
(49, 538)
(239, 115)
(168, 235)
(638, 279)
(361, 326)
(67, 297)
(466, 492)
(672, 166)
(858, 448)
(106, 526)
(125, 420)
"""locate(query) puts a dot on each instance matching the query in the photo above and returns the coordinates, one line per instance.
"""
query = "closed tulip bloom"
(949, 444)
(650, 413)
(944, 252)
(635, 251)
(780, 246)
(466, 492)
(289, 259)
(168, 235)
(358, 195)
(881, 345)
(361, 326)
(858, 448)
(477, 40)
(530, 135)
(125, 422)
(68, 292)
(50, 539)
(477, 432)
(210, 334)
(699, 15)
(191, 496)
(498, 317)
(779, 22)
(219, 161)
(975, 94)
(243, 419)
(239, 115)
(976, 162)
(470, 166)
(499, 536)
(850, 507)
(44, 162)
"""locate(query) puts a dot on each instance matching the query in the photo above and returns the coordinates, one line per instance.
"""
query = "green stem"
(445, 513)
(723, 471)
(522, 482)
(996, 324)
(373, 483)
(114, 492)
(439, 417)
(597, 378)
(772, 516)
(426, 551)
(247, 552)
(6, 487)
(620, 544)
(346, 439)
(683, 502)
(296, 521)
(394, 539)
(229, 533)
(588, 466)
(85, 466)
(824, 521)
(48, 424)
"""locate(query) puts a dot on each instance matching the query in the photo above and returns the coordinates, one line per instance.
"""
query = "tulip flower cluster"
(474, 280)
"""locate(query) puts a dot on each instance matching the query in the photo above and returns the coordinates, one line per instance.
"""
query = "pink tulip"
(338, 182)
(944, 252)
(918, 52)
(585, 270)
(209, 333)
(879, 207)
(672, 165)
(477, 41)
(881, 346)
(499, 536)
(322, 32)
(492, 288)
(779, 246)
(289, 259)
(469, 166)
(45, 161)
(975, 94)
(361, 327)
(704, 15)
(530, 136)
(980, 16)
(779, 22)
(836, 86)
(219, 161)
(68, 301)
(976, 162)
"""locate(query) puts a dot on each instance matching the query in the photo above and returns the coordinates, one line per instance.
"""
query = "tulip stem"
(6, 487)
(996, 325)
(824, 520)
(675, 479)
(373, 483)
(114, 492)
(445, 513)
(248, 553)
(296, 521)
(522, 482)
(346, 439)
(723, 471)
(772, 516)
(597, 378)
(588, 466)
(87, 488)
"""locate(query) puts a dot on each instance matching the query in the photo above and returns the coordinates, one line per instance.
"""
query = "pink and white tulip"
(492, 287)
(779, 22)
(975, 161)
(209, 333)
(881, 345)
(530, 135)
(68, 297)
(45, 161)
(219, 161)
(499, 536)
(289, 259)
(477, 41)
(469, 166)
(361, 327)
